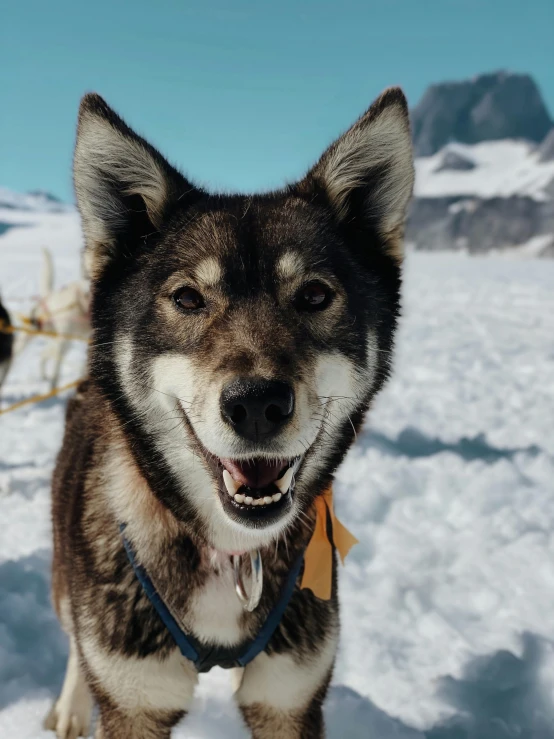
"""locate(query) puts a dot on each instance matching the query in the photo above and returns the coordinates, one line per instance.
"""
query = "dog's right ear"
(124, 187)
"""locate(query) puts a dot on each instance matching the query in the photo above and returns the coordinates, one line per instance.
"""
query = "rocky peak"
(454, 162)
(488, 107)
(546, 149)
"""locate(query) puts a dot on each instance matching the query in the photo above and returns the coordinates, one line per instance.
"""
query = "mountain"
(484, 167)
(23, 210)
(479, 197)
(35, 201)
(500, 105)
(546, 149)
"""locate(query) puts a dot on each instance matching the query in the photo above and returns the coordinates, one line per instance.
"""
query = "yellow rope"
(6, 329)
(40, 398)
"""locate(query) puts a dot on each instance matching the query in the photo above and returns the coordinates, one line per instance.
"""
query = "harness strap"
(274, 617)
(163, 611)
(206, 656)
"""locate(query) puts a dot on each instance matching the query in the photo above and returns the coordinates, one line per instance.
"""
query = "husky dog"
(6, 344)
(62, 311)
(237, 343)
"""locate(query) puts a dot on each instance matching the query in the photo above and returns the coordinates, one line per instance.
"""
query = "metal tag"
(249, 602)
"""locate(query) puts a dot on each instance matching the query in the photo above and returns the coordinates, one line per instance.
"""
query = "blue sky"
(240, 95)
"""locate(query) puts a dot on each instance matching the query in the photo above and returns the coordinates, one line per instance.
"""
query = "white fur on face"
(157, 407)
(290, 265)
(340, 387)
(199, 396)
(176, 377)
(336, 379)
(335, 390)
(208, 272)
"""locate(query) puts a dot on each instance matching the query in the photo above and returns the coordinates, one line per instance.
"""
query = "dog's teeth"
(277, 497)
(230, 484)
(284, 483)
(248, 500)
(268, 499)
(258, 501)
(239, 498)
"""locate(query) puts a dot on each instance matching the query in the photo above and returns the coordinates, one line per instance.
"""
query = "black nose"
(257, 408)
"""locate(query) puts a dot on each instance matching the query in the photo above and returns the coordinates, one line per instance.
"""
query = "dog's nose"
(257, 408)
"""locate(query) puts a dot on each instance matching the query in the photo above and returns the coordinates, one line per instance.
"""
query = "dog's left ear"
(367, 175)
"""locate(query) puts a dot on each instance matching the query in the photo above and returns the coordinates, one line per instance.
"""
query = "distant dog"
(6, 344)
(237, 343)
(63, 311)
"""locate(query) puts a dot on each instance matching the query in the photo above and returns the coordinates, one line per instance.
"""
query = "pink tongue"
(258, 474)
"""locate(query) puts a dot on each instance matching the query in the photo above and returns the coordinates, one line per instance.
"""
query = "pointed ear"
(46, 274)
(124, 187)
(367, 175)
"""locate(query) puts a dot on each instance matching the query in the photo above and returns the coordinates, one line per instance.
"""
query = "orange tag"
(318, 559)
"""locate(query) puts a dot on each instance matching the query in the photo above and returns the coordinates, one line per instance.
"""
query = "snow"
(503, 168)
(447, 602)
(536, 246)
(37, 201)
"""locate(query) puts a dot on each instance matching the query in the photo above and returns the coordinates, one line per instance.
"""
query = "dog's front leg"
(144, 724)
(138, 697)
(71, 714)
(281, 695)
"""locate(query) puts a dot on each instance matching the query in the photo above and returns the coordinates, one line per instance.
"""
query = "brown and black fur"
(89, 559)
(148, 231)
(6, 344)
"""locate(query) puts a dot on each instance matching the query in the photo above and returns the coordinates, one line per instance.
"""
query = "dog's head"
(240, 339)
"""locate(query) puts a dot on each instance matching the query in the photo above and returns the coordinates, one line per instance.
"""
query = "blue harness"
(206, 656)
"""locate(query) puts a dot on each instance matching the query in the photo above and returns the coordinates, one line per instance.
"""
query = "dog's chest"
(214, 612)
(204, 602)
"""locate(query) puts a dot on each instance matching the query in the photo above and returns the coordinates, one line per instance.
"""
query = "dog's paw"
(66, 723)
(237, 673)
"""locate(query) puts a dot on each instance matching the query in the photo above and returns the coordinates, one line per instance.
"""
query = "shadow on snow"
(412, 443)
(32, 648)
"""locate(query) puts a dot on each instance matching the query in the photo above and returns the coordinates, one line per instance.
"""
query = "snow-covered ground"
(501, 169)
(448, 601)
(35, 202)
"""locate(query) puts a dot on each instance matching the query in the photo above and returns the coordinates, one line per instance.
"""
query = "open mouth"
(257, 490)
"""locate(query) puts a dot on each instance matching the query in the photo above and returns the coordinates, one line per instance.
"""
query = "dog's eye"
(187, 298)
(313, 296)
